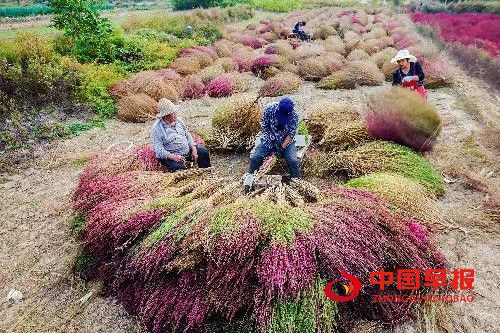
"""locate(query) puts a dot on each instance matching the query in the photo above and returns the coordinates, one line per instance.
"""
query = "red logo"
(343, 292)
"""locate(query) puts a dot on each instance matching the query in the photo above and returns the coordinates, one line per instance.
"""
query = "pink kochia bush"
(478, 29)
(179, 249)
(192, 87)
(222, 86)
(402, 116)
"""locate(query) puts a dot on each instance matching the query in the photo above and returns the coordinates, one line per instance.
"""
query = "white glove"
(408, 79)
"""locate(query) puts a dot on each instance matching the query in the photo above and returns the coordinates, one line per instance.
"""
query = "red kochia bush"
(402, 116)
(192, 87)
(478, 29)
(222, 86)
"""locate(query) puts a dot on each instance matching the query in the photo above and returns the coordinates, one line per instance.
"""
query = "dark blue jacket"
(415, 69)
(297, 27)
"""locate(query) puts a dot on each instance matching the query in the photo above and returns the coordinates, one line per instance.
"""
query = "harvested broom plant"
(326, 114)
(403, 194)
(402, 116)
(380, 156)
(182, 250)
(236, 122)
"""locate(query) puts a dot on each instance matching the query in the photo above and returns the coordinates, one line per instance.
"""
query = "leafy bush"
(403, 116)
(91, 36)
(276, 5)
(95, 82)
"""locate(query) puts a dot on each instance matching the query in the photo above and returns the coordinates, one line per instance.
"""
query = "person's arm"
(265, 124)
(396, 79)
(419, 72)
(292, 130)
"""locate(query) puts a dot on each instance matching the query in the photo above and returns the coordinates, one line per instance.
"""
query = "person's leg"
(292, 161)
(203, 157)
(172, 165)
(257, 158)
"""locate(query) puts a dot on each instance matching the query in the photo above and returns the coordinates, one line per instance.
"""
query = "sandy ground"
(37, 248)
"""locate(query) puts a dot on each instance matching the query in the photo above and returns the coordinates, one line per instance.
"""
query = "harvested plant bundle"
(355, 73)
(313, 69)
(403, 116)
(357, 55)
(178, 249)
(344, 135)
(381, 156)
(326, 114)
(186, 65)
(407, 196)
(222, 86)
(236, 122)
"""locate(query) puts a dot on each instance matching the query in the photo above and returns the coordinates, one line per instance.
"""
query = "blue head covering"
(285, 111)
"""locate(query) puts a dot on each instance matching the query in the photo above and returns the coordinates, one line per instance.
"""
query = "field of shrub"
(473, 38)
(38, 72)
(390, 179)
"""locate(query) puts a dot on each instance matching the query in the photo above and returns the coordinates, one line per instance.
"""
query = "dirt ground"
(37, 248)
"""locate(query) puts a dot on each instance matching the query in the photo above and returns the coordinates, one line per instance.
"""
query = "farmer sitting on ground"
(279, 126)
(297, 29)
(409, 73)
(172, 142)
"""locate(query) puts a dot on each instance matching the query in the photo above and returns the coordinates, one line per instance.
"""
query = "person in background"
(297, 29)
(172, 142)
(409, 73)
(279, 126)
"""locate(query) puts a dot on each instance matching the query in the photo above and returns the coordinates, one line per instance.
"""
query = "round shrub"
(357, 55)
(120, 89)
(335, 44)
(281, 84)
(222, 86)
(186, 65)
(192, 87)
(313, 69)
(383, 56)
(437, 73)
(209, 73)
(136, 108)
(403, 116)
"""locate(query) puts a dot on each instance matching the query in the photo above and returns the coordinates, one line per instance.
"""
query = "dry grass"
(355, 73)
(357, 55)
(236, 122)
(327, 114)
(281, 84)
(313, 69)
(136, 108)
(186, 65)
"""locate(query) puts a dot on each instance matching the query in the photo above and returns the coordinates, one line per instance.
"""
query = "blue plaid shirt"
(272, 137)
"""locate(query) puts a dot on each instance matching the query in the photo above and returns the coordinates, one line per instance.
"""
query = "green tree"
(91, 36)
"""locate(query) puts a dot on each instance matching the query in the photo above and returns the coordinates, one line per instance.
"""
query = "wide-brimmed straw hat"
(166, 107)
(404, 54)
